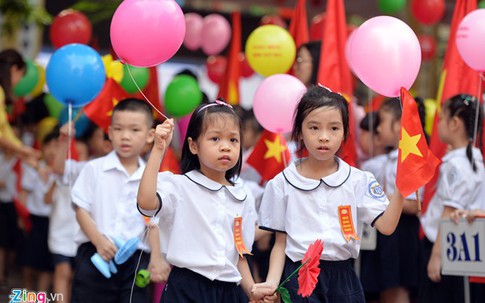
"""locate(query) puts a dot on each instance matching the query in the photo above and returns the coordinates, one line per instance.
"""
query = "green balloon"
(28, 82)
(182, 96)
(54, 107)
(481, 4)
(142, 278)
(140, 74)
(391, 6)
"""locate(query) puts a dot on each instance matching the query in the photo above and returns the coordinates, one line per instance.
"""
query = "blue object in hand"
(125, 250)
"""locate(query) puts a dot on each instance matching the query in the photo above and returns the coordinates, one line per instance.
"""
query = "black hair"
(315, 98)
(53, 135)
(422, 115)
(370, 122)
(314, 47)
(35, 111)
(9, 58)
(197, 126)
(465, 108)
(135, 105)
(393, 106)
(247, 116)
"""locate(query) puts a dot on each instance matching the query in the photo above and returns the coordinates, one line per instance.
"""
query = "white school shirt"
(377, 166)
(37, 188)
(106, 191)
(458, 187)
(307, 209)
(390, 176)
(63, 225)
(196, 223)
(7, 175)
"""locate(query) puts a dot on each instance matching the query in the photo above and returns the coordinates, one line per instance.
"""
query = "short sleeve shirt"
(458, 187)
(197, 222)
(307, 209)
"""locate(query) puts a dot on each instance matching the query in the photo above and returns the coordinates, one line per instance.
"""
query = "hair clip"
(214, 103)
(468, 98)
(319, 84)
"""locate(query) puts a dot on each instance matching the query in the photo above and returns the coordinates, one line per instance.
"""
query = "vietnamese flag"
(270, 155)
(100, 109)
(229, 85)
(334, 72)
(456, 78)
(416, 163)
(170, 162)
(299, 24)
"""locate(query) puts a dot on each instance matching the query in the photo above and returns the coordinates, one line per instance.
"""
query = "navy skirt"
(337, 283)
(186, 286)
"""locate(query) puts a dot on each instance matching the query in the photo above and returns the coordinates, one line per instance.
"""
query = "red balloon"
(216, 67)
(428, 46)
(273, 19)
(246, 70)
(317, 27)
(70, 26)
(428, 11)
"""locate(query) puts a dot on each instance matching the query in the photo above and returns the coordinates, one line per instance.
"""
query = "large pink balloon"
(216, 34)
(147, 32)
(470, 39)
(193, 34)
(385, 55)
(275, 101)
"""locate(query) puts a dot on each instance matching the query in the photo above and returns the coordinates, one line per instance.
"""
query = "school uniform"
(402, 269)
(9, 230)
(461, 188)
(307, 209)
(36, 252)
(108, 193)
(197, 218)
(369, 258)
(63, 224)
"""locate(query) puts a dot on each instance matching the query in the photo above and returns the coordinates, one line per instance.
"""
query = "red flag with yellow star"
(100, 109)
(270, 155)
(229, 84)
(299, 24)
(416, 163)
(334, 72)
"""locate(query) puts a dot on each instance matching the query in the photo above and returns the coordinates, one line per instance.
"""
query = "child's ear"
(192, 146)
(151, 136)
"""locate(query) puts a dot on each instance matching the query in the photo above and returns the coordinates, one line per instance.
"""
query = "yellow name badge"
(346, 222)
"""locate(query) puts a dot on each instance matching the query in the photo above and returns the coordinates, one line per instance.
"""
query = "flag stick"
(418, 200)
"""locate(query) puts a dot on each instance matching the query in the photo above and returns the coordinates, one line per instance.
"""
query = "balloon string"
(475, 128)
(136, 84)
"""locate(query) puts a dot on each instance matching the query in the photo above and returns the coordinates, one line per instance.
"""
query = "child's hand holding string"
(163, 135)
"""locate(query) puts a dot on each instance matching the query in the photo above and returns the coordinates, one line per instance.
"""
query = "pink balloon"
(275, 101)
(348, 44)
(470, 39)
(146, 33)
(385, 55)
(216, 34)
(193, 33)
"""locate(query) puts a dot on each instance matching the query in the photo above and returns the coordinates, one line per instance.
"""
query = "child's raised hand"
(65, 129)
(163, 134)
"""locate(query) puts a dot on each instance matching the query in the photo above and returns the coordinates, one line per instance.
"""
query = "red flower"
(308, 274)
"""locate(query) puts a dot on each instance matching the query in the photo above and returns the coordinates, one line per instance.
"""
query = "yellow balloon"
(270, 50)
(430, 106)
(45, 127)
(39, 87)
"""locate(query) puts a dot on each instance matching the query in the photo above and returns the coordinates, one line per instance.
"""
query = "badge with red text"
(238, 238)
(346, 222)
